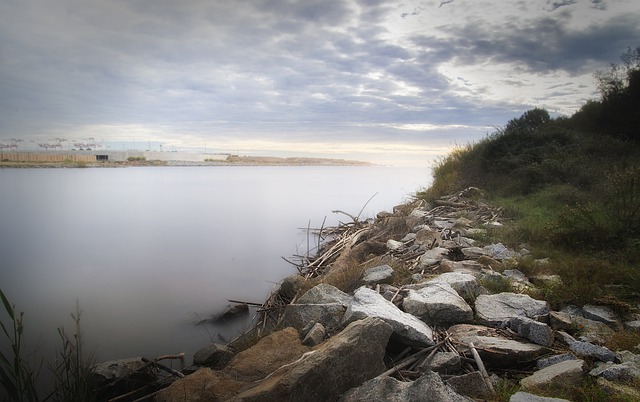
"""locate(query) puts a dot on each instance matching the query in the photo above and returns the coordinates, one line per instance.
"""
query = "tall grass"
(17, 375)
(72, 369)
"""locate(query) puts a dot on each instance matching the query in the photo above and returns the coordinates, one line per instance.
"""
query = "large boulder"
(587, 349)
(428, 388)
(324, 294)
(203, 385)
(602, 314)
(406, 328)
(299, 316)
(497, 309)
(492, 347)
(437, 303)
(563, 374)
(623, 372)
(272, 351)
(344, 361)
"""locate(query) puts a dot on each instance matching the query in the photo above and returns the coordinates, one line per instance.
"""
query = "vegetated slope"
(571, 184)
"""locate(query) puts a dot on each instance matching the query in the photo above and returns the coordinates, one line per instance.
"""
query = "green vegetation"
(570, 185)
(19, 370)
(136, 159)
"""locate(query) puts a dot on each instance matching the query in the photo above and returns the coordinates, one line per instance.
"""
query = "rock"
(442, 224)
(602, 314)
(433, 256)
(272, 351)
(344, 361)
(290, 286)
(394, 244)
(466, 285)
(632, 325)
(214, 355)
(409, 237)
(203, 385)
(546, 280)
(463, 267)
(590, 330)
(376, 275)
(445, 362)
(499, 251)
(550, 361)
(561, 321)
(565, 373)
(496, 349)
(116, 369)
(324, 294)
(427, 388)
(437, 303)
(315, 336)
(473, 232)
(515, 275)
(499, 308)
(588, 349)
(231, 313)
(471, 385)
(406, 328)
(428, 237)
(473, 253)
(536, 332)
(623, 372)
(521, 396)
(299, 315)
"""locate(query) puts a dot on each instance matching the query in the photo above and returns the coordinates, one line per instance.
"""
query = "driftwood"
(481, 369)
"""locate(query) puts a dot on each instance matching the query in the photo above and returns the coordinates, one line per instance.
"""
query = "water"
(146, 252)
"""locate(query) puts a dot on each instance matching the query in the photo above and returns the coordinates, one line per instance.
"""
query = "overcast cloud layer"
(379, 80)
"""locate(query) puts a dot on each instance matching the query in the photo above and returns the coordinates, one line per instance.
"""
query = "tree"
(530, 121)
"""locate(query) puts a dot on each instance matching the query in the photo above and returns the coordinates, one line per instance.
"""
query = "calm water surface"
(148, 251)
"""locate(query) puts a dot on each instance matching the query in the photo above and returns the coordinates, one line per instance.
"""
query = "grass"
(19, 371)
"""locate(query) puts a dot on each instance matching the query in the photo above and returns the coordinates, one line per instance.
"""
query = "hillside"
(571, 185)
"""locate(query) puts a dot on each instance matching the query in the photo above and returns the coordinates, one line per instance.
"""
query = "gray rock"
(437, 303)
(471, 385)
(550, 361)
(290, 286)
(379, 274)
(315, 336)
(499, 251)
(231, 313)
(621, 391)
(536, 332)
(546, 280)
(469, 267)
(515, 275)
(623, 372)
(499, 308)
(561, 321)
(602, 314)
(521, 396)
(588, 349)
(433, 256)
(466, 285)
(473, 253)
(344, 361)
(214, 355)
(428, 388)
(496, 349)
(632, 325)
(324, 294)
(445, 362)
(408, 237)
(627, 356)
(557, 375)
(428, 237)
(590, 330)
(300, 315)
(116, 369)
(407, 328)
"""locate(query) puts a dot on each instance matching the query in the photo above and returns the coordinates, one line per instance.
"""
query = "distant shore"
(232, 160)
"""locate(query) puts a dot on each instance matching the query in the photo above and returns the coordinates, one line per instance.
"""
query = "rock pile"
(428, 330)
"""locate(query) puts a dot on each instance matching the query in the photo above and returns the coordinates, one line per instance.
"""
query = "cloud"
(339, 70)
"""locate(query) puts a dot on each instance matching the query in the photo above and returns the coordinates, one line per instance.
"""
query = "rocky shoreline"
(427, 312)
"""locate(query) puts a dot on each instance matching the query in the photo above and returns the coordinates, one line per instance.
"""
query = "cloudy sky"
(390, 81)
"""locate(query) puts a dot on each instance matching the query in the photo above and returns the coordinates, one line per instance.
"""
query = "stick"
(163, 367)
(483, 371)
(243, 302)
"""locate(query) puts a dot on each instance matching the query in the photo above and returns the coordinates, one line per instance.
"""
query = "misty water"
(147, 252)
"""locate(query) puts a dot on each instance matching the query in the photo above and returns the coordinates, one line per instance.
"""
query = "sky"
(392, 82)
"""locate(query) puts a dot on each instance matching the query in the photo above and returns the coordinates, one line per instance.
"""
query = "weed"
(17, 376)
